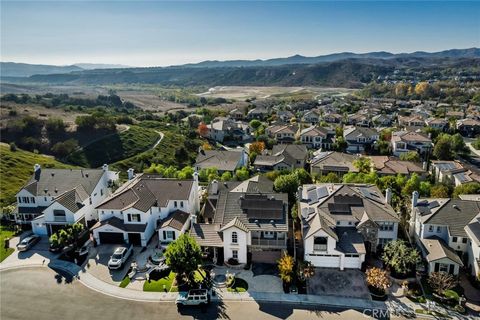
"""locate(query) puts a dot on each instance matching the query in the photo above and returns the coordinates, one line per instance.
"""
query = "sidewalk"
(124, 293)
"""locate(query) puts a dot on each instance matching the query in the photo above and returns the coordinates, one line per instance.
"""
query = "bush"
(124, 282)
(13, 147)
(233, 261)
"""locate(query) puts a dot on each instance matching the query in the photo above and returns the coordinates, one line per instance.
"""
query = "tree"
(305, 270)
(443, 149)
(242, 174)
(467, 188)
(399, 257)
(63, 149)
(410, 156)
(13, 147)
(425, 188)
(256, 147)
(287, 183)
(439, 191)
(378, 278)
(183, 255)
(363, 164)
(441, 282)
(255, 124)
(185, 173)
(226, 176)
(412, 184)
(202, 129)
(285, 268)
(55, 126)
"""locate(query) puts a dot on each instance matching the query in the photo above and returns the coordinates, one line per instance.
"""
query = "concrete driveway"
(39, 252)
(97, 264)
(334, 282)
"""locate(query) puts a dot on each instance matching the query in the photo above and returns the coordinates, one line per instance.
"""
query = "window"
(26, 200)
(90, 200)
(59, 216)
(170, 235)
(33, 200)
(101, 192)
(430, 228)
(234, 237)
(19, 199)
(45, 199)
(175, 204)
(464, 240)
(386, 226)
(235, 254)
(181, 204)
(439, 229)
(454, 239)
(320, 243)
(338, 223)
(134, 217)
(269, 234)
(443, 267)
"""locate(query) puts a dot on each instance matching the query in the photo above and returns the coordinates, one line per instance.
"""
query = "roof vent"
(86, 175)
(272, 222)
(56, 190)
(53, 173)
(256, 221)
(455, 206)
(45, 190)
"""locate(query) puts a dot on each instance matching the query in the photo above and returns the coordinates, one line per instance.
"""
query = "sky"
(157, 33)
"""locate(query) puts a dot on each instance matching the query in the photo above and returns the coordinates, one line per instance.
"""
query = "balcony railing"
(268, 242)
(60, 219)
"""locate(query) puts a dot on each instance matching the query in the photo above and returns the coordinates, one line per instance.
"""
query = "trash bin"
(6, 243)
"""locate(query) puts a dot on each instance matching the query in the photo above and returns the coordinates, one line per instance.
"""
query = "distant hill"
(91, 66)
(13, 69)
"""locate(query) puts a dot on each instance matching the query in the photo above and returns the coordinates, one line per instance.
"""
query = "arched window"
(234, 237)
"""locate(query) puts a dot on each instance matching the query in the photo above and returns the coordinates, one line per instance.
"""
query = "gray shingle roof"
(207, 235)
(454, 213)
(437, 249)
(73, 199)
(119, 224)
(54, 182)
(220, 159)
(175, 220)
(147, 191)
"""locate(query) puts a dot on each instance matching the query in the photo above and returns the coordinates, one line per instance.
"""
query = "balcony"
(59, 219)
(272, 243)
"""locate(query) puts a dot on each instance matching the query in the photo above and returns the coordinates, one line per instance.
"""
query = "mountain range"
(339, 69)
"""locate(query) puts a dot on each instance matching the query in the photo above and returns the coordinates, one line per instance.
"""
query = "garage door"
(270, 256)
(111, 237)
(135, 239)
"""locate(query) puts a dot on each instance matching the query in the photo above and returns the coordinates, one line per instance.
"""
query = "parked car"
(84, 249)
(28, 242)
(119, 257)
(195, 297)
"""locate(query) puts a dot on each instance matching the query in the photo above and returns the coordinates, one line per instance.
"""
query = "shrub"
(233, 261)
(13, 147)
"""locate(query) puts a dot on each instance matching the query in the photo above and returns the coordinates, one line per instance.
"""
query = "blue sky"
(158, 33)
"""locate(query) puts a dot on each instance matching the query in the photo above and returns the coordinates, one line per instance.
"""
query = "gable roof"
(235, 222)
(335, 161)
(391, 165)
(55, 182)
(147, 191)
(437, 249)
(73, 199)
(119, 224)
(175, 220)
(454, 213)
(207, 235)
(353, 132)
(223, 160)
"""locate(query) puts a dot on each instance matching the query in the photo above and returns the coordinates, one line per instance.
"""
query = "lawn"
(157, 285)
(240, 285)
(4, 233)
(115, 147)
(17, 167)
(125, 282)
(199, 275)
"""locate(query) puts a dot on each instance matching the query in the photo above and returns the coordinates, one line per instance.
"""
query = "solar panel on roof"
(347, 199)
(322, 192)
(433, 204)
(338, 208)
(312, 196)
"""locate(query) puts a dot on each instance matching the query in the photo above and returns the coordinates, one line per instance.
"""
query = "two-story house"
(454, 172)
(359, 139)
(284, 133)
(55, 198)
(282, 157)
(327, 162)
(341, 223)
(144, 204)
(312, 117)
(468, 127)
(242, 219)
(315, 137)
(405, 141)
(438, 227)
(225, 129)
(472, 229)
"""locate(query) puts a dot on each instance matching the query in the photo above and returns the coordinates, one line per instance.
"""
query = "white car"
(196, 297)
(119, 257)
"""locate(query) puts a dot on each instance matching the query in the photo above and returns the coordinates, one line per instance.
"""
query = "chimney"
(130, 174)
(36, 167)
(388, 196)
(36, 171)
(195, 176)
(214, 187)
(105, 167)
(414, 199)
(299, 193)
(425, 165)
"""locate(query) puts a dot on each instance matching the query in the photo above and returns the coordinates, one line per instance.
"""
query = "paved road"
(40, 293)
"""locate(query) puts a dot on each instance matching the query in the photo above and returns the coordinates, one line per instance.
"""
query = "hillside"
(349, 73)
(114, 147)
(12, 69)
(17, 167)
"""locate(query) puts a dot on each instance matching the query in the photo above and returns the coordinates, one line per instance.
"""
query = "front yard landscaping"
(160, 282)
(238, 285)
(125, 282)
(4, 234)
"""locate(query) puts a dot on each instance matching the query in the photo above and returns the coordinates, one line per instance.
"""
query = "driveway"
(334, 282)
(97, 264)
(38, 253)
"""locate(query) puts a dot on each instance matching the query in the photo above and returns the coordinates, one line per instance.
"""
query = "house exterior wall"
(240, 246)
(430, 230)
(431, 265)
(473, 251)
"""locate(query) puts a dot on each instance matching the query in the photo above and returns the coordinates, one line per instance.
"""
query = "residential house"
(359, 119)
(327, 162)
(284, 116)
(468, 127)
(454, 172)
(283, 133)
(359, 139)
(222, 160)
(55, 198)
(382, 120)
(385, 165)
(411, 121)
(316, 137)
(438, 227)
(282, 157)
(312, 117)
(437, 123)
(224, 129)
(145, 204)
(237, 114)
(242, 219)
(333, 118)
(457, 115)
(472, 229)
(405, 141)
(342, 223)
(258, 113)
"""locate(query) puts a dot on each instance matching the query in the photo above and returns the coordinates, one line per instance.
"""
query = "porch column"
(342, 261)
